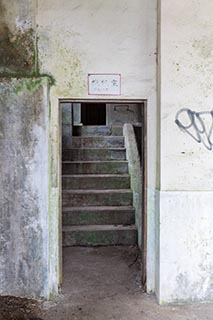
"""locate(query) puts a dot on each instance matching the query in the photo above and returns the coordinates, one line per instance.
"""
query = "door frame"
(144, 105)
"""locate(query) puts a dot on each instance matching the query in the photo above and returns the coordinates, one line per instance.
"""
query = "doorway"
(110, 116)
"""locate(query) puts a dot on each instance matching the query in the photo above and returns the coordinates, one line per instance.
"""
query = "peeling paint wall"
(186, 224)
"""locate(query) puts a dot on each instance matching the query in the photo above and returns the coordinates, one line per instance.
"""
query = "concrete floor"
(104, 284)
(101, 284)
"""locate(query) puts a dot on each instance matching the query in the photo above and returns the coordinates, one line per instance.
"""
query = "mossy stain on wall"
(64, 61)
(17, 48)
(70, 71)
(28, 84)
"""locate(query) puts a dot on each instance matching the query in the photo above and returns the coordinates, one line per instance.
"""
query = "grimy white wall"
(118, 36)
(26, 259)
(79, 37)
(186, 198)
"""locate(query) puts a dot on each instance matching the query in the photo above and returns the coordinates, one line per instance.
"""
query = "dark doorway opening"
(93, 114)
(93, 136)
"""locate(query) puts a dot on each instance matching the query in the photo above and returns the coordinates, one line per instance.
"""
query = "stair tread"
(96, 137)
(98, 126)
(93, 148)
(97, 141)
(88, 191)
(97, 161)
(98, 175)
(105, 227)
(102, 130)
(94, 154)
(99, 208)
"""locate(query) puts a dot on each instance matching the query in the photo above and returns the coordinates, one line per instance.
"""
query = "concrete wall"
(76, 38)
(135, 175)
(118, 114)
(80, 37)
(30, 241)
(24, 198)
(17, 37)
(67, 123)
(186, 224)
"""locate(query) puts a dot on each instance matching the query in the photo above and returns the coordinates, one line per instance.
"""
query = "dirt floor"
(101, 284)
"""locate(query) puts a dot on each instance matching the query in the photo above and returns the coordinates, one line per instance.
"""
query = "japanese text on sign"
(104, 84)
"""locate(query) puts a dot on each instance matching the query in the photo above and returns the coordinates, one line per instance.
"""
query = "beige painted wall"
(80, 37)
(185, 241)
(186, 82)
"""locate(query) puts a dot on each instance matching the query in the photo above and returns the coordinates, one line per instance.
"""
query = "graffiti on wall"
(199, 125)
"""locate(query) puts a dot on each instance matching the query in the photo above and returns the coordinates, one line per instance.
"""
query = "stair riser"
(97, 142)
(98, 131)
(93, 168)
(98, 218)
(97, 199)
(99, 238)
(93, 155)
(104, 217)
(100, 183)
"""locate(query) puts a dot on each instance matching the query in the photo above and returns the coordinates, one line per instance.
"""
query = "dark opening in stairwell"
(93, 114)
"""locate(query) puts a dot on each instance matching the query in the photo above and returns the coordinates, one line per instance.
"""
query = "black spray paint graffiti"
(199, 125)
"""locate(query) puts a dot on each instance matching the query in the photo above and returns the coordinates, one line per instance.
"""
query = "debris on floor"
(12, 308)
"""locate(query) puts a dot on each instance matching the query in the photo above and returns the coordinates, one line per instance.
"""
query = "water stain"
(16, 48)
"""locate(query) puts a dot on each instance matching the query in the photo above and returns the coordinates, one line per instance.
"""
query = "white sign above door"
(104, 84)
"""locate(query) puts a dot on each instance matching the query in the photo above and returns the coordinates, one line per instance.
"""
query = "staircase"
(96, 198)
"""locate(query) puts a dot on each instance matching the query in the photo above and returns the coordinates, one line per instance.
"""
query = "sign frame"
(116, 75)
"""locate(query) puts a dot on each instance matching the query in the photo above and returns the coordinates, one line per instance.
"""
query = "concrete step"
(94, 167)
(102, 235)
(98, 215)
(98, 131)
(95, 181)
(98, 142)
(97, 198)
(94, 154)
